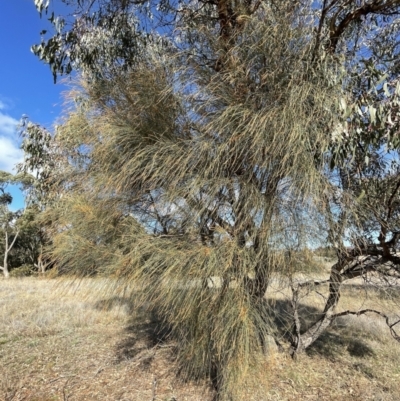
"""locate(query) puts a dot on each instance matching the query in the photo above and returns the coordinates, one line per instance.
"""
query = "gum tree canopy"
(211, 146)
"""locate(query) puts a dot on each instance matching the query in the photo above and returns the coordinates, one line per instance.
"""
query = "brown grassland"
(75, 340)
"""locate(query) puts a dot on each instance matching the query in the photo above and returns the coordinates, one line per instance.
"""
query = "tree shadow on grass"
(333, 343)
(145, 331)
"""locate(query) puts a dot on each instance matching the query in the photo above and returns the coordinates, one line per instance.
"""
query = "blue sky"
(26, 84)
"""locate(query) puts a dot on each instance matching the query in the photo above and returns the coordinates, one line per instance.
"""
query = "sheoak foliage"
(210, 145)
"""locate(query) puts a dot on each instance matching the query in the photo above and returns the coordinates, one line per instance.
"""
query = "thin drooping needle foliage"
(206, 170)
(185, 175)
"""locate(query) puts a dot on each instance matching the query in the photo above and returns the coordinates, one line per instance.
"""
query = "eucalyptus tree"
(27, 252)
(224, 139)
(10, 229)
(6, 222)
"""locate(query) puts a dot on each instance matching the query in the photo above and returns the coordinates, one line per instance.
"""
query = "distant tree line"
(22, 234)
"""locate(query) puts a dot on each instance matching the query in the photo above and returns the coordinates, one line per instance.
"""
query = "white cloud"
(2, 105)
(10, 153)
(7, 124)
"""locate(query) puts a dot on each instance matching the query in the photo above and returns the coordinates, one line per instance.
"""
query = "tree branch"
(384, 225)
(364, 311)
(13, 241)
(319, 30)
(336, 31)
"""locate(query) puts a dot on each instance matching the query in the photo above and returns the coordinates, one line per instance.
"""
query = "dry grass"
(64, 340)
(70, 341)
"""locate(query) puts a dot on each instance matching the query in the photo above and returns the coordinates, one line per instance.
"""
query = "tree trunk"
(7, 249)
(40, 264)
(6, 273)
(302, 341)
